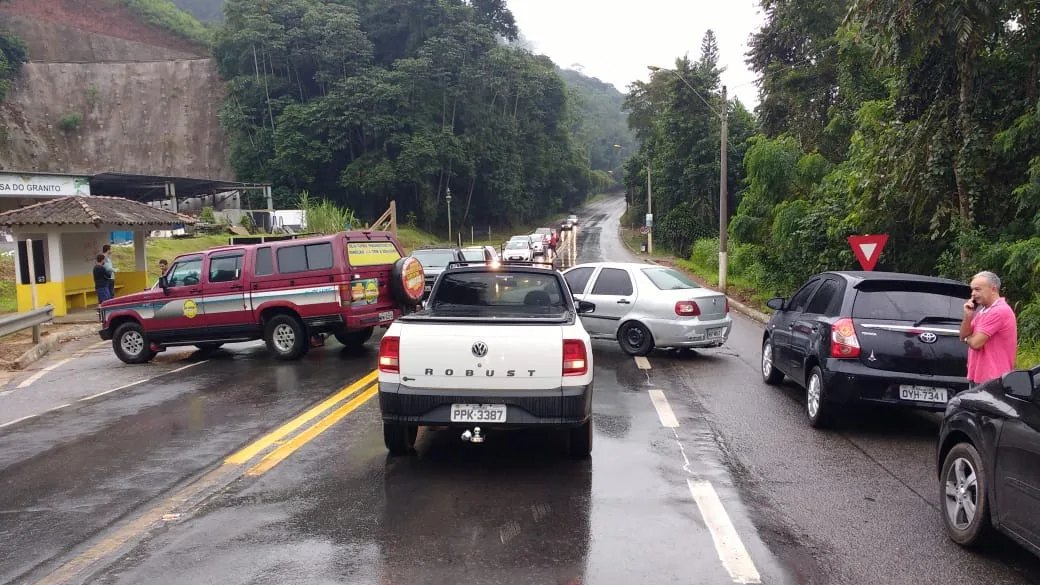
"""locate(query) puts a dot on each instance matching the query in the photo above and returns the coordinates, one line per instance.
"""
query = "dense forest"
(364, 101)
(916, 119)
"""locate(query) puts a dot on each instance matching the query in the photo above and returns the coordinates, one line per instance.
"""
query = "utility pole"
(649, 211)
(448, 199)
(723, 193)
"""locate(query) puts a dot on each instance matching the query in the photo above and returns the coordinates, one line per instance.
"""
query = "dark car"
(989, 461)
(869, 337)
(434, 260)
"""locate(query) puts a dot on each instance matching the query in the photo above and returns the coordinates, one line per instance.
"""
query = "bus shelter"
(67, 234)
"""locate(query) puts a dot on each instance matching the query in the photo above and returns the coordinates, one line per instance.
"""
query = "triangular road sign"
(868, 249)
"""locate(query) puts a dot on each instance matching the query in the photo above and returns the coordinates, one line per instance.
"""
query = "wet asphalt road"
(855, 506)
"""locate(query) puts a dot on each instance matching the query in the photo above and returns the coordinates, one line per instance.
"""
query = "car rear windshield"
(910, 301)
(669, 279)
(473, 255)
(516, 245)
(513, 294)
(434, 258)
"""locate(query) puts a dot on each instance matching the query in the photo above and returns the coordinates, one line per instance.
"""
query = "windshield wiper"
(936, 319)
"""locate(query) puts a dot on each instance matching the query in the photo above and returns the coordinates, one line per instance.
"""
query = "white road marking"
(125, 386)
(642, 362)
(43, 372)
(100, 394)
(664, 410)
(18, 420)
(734, 555)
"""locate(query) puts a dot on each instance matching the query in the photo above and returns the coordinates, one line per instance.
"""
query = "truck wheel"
(581, 440)
(286, 337)
(354, 338)
(131, 344)
(400, 439)
(407, 280)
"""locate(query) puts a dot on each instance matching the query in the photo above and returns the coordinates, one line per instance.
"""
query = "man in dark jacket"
(101, 279)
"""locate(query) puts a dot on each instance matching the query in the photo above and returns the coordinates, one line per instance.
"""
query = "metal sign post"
(32, 286)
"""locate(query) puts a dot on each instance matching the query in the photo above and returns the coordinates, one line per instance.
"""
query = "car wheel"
(964, 489)
(286, 337)
(581, 440)
(355, 338)
(400, 439)
(131, 344)
(817, 409)
(207, 347)
(635, 339)
(770, 374)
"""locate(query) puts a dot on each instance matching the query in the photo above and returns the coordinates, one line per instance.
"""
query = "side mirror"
(164, 284)
(1019, 384)
(586, 307)
(776, 303)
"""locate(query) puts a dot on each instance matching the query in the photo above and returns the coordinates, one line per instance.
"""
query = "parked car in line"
(873, 337)
(284, 292)
(518, 249)
(988, 461)
(644, 306)
(496, 348)
(545, 234)
(572, 219)
(480, 254)
(434, 260)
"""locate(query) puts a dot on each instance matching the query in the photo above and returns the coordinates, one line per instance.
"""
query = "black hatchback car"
(869, 337)
(989, 461)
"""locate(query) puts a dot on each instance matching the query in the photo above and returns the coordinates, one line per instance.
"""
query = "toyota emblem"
(928, 337)
(479, 349)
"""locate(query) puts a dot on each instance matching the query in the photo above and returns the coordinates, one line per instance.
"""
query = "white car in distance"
(646, 306)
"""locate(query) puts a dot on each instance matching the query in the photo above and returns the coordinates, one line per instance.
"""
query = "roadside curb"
(741, 308)
(45, 346)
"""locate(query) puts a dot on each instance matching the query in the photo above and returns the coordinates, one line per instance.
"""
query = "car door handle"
(624, 302)
(237, 287)
(195, 291)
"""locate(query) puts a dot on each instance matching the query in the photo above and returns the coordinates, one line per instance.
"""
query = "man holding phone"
(990, 329)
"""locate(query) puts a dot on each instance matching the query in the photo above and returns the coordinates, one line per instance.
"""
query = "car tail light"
(575, 359)
(687, 309)
(345, 296)
(390, 354)
(844, 343)
(727, 304)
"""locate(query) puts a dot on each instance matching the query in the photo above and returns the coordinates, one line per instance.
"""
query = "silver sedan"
(644, 306)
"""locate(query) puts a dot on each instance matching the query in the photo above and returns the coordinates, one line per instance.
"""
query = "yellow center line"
(253, 449)
(275, 457)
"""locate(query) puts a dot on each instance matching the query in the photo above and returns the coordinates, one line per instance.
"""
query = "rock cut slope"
(105, 91)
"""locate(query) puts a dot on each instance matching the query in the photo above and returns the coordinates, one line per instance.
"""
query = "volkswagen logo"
(928, 337)
(479, 349)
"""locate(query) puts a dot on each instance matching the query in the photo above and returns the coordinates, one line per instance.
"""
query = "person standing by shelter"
(107, 251)
(101, 279)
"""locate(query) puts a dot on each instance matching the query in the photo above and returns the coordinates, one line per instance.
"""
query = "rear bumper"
(848, 381)
(561, 407)
(689, 332)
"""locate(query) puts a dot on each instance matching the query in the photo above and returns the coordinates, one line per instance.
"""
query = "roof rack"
(540, 264)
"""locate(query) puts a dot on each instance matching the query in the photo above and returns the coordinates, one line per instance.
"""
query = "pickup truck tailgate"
(482, 357)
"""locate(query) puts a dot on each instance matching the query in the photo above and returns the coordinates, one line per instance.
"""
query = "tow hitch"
(473, 437)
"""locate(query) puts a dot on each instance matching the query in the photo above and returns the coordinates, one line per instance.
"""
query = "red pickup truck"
(284, 292)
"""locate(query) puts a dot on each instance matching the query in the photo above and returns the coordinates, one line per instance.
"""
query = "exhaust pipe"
(472, 437)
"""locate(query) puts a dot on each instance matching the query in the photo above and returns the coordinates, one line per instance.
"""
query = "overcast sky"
(615, 40)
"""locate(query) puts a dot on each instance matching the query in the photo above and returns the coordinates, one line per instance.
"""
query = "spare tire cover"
(407, 279)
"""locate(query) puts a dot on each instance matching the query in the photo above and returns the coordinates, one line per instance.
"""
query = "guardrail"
(19, 321)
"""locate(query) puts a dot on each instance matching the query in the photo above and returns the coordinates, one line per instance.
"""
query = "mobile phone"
(974, 304)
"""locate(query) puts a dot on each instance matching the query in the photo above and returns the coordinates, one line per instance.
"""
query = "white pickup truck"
(497, 347)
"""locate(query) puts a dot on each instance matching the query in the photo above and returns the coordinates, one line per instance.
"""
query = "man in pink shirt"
(990, 329)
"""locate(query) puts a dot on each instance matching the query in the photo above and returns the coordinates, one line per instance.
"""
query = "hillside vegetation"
(365, 101)
(920, 120)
